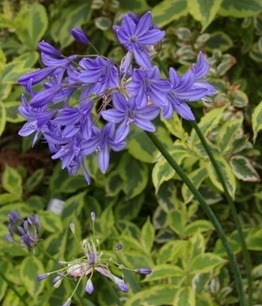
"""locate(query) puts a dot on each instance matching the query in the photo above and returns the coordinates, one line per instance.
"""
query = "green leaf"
(198, 226)
(171, 251)
(255, 53)
(204, 10)
(72, 206)
(5, 90)
(6, 21)
(130, 208)
(162, 170)
(196, 177)
(141, 147)
(31, 24)
(243, 169)
(134, 175)
(70, 17)
(136, 6)
(4, 267)
(167, 11)
(2, 117)
(227, 133)
(185, 296)
(147, 236)
(195, 246)
(50, 221)
(103, 23)
(6, 198)
(157, 295)
(12, 114)
(226, 172)
(257, 120)
(29, 268)
(220, 249)
(2, 60)
(12, 182)
(254, 239)
(161, 272)
(114, 183)
(34, 180)
(240, 99)
(207, 123)
(177, 221)
(219, 40)
(240, 8)
(175, 126)
(204, 263)
(19, 66)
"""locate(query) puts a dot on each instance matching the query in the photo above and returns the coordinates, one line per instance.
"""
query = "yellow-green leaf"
(156, 295)
(204, 10)
(227, 173)
(134, 175)
(207, 123)
(196, 177)
(243, 169)
(147, 236)
(168, 11)
(31, 24)
(240, 8)
(12, 182)
(227, 133)
(185, 296)
(29, 269)
(2, 117)
(205, 263)
(12, 114)
(257, 120)
(164, 271)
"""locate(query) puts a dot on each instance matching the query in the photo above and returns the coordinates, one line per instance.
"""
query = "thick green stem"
(209, 213)
(232, 208)
(12, 287)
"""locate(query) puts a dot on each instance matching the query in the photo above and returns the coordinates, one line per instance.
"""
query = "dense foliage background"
(140, 201)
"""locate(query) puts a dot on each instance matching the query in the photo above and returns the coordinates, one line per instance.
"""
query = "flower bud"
(144, 271)
(89, 287)
(42, 276)
(48, 49)
(79, 36)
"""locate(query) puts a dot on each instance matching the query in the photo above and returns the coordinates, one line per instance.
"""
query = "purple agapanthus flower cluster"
(93, 261)
(23, 232)
(78, 91)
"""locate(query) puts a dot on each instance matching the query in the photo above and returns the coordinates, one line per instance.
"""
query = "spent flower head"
(92, 260)
(23, 232)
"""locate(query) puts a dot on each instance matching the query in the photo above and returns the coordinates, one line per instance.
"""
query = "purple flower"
(137, 34)
(127, 112)
(36, 76)
(182, 91)
(38, 118)
(101, 142)
(200, 70)
(80, 36)
(147, 86)
(100, 73)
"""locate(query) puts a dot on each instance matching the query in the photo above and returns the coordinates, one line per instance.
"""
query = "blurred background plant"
(140, 201)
